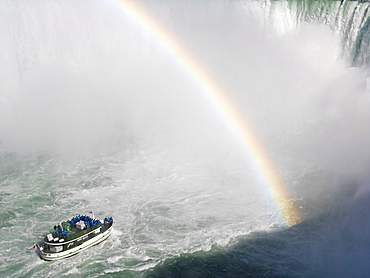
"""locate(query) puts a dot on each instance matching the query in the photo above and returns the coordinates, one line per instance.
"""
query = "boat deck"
(56, 246)
(75, 233)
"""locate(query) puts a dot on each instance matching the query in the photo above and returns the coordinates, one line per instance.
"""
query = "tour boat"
(73, 236)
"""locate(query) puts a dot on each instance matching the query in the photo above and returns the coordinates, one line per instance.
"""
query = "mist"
(89, 80)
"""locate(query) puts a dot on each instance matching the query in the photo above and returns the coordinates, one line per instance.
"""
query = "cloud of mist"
(114, 80)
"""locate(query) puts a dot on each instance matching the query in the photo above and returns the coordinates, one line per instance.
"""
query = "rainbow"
(218, 97)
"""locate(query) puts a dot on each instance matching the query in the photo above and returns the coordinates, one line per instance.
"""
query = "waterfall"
(349, 19)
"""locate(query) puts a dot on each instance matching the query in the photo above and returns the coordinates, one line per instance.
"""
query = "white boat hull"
(51, 256)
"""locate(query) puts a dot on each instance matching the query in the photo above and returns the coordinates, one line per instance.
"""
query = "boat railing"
(78, 233)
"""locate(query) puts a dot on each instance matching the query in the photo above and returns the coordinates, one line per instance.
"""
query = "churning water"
(97, 114)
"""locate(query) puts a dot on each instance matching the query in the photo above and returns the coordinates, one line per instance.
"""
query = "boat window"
(56, 248)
